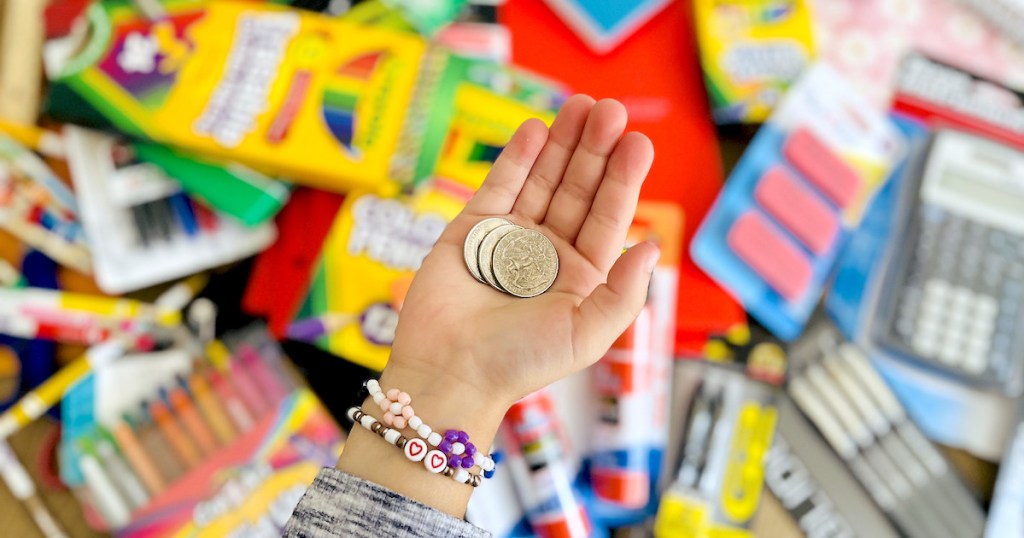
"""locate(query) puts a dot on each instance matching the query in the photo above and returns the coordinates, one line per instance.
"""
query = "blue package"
(834, 150)
(602, 24)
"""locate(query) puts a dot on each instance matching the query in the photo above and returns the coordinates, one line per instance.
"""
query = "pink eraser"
(798, 209)
(812, 158)
(771, 254)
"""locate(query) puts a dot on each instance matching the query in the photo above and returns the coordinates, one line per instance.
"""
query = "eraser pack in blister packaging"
(725, 433)
(834, 384)
(773, 234)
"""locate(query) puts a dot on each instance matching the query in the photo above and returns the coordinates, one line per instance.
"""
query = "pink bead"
(392, 394)
(385, 404)
(407, 412)
(404, 398)
(399, 423)
(389, 419)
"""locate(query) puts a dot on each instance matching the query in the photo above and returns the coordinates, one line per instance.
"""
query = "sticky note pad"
(798, 209)
(767, 251)
(826, 171)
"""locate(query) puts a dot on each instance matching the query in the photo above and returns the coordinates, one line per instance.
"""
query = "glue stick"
(540, 471)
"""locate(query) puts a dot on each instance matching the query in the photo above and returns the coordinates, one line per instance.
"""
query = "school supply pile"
(172, 170)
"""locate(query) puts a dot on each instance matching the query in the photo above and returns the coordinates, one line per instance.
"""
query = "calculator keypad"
(960, 302)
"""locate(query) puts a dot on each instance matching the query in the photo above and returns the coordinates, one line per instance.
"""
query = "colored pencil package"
(286, 92)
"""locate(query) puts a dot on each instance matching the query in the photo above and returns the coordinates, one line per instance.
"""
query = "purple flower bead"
(467, 463)
(452, 435)
(463, 437)
(445, 446)
(454, 461)
(470, 449)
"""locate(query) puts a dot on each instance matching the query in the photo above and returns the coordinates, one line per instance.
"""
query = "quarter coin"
(525, 263)
(487, 252)
(471, 248)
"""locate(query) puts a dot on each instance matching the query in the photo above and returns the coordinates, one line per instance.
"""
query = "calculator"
(953, 293)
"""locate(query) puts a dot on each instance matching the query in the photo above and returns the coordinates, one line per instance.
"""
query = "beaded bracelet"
(398, 413)
(415, 449)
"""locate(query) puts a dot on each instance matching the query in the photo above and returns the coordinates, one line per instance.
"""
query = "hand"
(466, 352)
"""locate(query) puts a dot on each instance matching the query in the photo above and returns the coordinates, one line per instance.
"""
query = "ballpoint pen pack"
(723, 440)
(835, 386)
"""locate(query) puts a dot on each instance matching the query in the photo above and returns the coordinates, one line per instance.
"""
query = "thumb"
(609, 310)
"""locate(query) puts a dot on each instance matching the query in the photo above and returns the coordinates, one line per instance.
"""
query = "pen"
(138, 458)
(185, 409)
(172, 432)
(156, 447)
(36, 300)
(126, 482)
(698, 436)
(37, 401)
(210, 407)
(24, 489)
(44, 141)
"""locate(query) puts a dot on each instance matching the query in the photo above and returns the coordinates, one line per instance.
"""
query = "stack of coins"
(510, 258)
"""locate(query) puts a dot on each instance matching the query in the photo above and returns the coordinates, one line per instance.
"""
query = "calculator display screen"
(978, 187)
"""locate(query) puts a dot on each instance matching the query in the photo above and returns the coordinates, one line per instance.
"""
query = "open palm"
(578, 183)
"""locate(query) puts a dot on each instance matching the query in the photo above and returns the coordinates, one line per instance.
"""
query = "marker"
(239, 414)
(121, 475)
(177, 297)
(44, 141)
(182, 208)
(186, 411)
(32, 405)
(310, 329)
(42, 300)
(261, 374)
(168, 426)
(74, 328)
(138, 458)
(108, 501)
(210, 407)
(23, 488)
(247, 389)
(156, 446)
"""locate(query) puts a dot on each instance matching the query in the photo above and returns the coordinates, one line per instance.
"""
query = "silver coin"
(471, 248)
(525, 263)
(487, 252)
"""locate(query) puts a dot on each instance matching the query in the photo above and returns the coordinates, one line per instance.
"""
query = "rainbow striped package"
(314, 99)
(750, 51)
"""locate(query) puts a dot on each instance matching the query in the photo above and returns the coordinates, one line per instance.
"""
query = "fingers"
(505, 181)
(571, 202)
(604, 231)
(609, 310)
(554, 158)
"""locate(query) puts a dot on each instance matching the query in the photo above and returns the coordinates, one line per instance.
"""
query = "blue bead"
(489, 474)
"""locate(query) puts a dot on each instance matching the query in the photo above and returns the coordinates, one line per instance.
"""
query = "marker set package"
(750, 53)
(837, 389)
(194, 449)
(726, 433)
(142, 229)
(776, 228)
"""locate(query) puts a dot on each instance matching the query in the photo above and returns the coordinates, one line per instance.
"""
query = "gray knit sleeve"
(339, 504)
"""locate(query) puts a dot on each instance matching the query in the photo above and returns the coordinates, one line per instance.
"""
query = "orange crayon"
(211, 408)
(239, 414)
(155, 446)
(187, 413)
(138, 458)
(173, 433)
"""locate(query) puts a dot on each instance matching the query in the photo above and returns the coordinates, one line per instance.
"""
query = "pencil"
(37, 401)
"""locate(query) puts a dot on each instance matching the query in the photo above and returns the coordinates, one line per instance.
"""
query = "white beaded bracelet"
(398, 413)
(415, 450)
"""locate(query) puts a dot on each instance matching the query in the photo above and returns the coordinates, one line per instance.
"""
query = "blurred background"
(210, 212)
